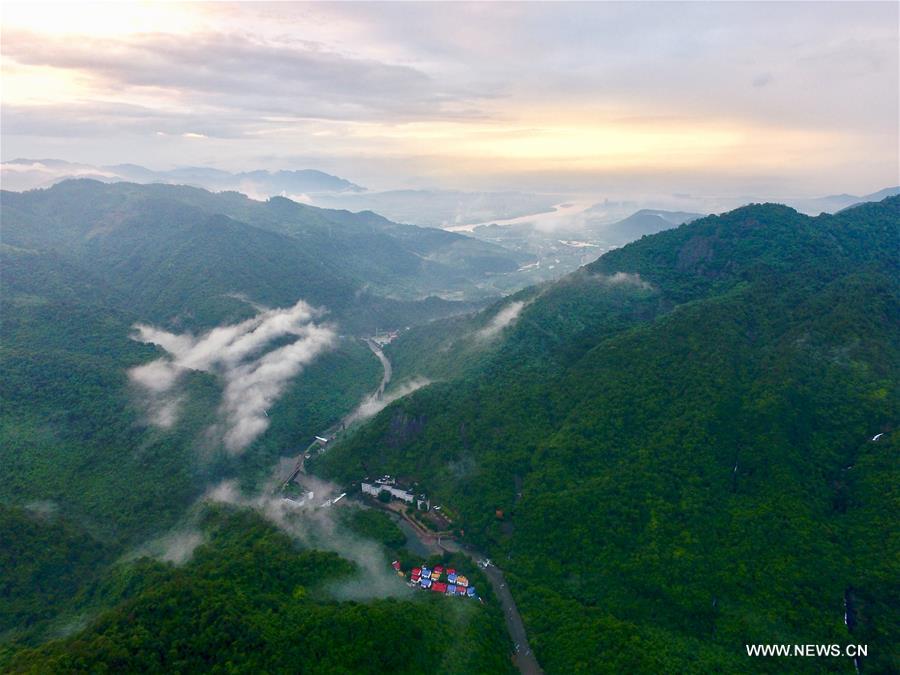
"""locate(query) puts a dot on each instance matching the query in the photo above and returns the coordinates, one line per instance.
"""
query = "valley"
(495, 427)
(418, 338)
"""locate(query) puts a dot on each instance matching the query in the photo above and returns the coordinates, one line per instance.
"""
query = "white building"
(377, 488)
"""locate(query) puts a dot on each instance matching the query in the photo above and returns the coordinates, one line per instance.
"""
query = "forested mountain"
(252, 600)
(640, 223)
(672, 449)
(28, 174)
(170, 245)
(84, 262)
(87, 477)
(669, 451)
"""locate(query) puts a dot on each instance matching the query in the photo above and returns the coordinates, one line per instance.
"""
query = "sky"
(788, 98)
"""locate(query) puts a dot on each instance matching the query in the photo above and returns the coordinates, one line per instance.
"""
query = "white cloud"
(253, 377)
(402, 90)
(625, 279)
(179, 546)
(501, 320)
(374, 405)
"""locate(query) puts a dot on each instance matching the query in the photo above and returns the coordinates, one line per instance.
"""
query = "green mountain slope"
(86, 480)
(172, 244)
(640, 223)
(83, 262)
(251, 600)
(669, 450)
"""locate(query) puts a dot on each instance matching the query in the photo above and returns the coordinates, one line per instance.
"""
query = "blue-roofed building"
(426, 583)
(451, 577)
(451, 588)
(471, 591)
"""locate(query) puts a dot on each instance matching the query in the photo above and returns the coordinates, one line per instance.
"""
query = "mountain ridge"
(261, 181)
(725, 376)
(338, 252)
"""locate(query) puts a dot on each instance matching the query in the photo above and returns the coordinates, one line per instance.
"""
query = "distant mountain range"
(835, 203)
(27, 174)
(182, 251)
(641, 223)
(442, 208)
(430, 208)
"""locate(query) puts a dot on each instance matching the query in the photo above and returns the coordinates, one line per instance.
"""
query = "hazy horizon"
(714, 98)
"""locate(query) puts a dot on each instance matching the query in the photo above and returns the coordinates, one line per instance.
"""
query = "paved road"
(385, 363)
(333, 430)
(524, 657)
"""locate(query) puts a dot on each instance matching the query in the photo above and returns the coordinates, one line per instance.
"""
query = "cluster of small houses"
(430, 580)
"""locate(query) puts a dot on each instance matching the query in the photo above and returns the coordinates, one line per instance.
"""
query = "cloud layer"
(376, 91)
(624, 279)
(253, 377)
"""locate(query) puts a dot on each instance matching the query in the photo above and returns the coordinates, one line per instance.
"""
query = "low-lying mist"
(240, 355)
(317, 525)
(374, 404)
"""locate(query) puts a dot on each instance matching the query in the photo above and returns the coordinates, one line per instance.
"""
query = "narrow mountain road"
(332, 431)
(524, 658)
(427, 541)
(386, 364)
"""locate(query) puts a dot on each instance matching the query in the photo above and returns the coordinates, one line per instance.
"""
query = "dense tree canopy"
(670, 452)
(251, 601)
(678, 438)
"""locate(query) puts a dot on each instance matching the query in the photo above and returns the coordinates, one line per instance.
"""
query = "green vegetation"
(44, 559)
(251, 601)
(73, 432)
(668, 452)
(183, 257)
(374, 525)
(677, 436)
(81, 264)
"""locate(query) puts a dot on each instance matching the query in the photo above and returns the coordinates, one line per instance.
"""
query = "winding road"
(385, 363)
(524, 658)
(332, 431)
(430, 542)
